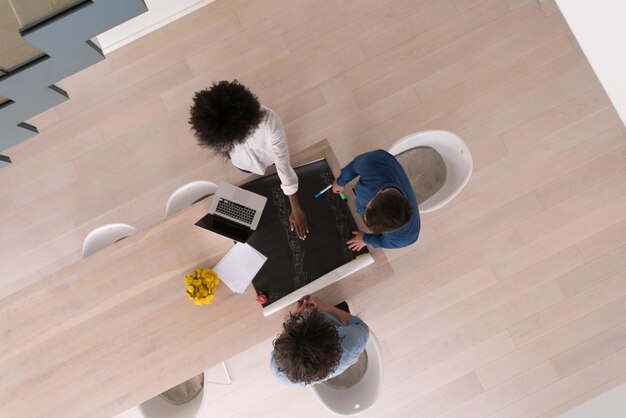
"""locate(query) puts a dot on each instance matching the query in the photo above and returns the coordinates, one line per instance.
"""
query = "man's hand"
(298, 223)
(337, 188)
(317, 303)
(302, 304)
(356, 243)
(322, 306)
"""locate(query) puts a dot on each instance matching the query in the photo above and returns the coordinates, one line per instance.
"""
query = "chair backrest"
(361, 396)
(456, 156)
(104, 236)
(157, 407)
(189, 194)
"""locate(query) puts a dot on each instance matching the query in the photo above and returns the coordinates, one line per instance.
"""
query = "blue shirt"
(378, 170)
(353, 339)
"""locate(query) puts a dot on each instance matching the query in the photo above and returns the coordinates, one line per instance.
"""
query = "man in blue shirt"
(318, 342)
(385, 198)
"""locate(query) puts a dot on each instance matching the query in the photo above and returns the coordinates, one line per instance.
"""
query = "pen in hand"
(324, 190)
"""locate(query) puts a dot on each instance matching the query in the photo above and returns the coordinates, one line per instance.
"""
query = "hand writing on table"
(356, 243)
(298, 223)
(297, 219)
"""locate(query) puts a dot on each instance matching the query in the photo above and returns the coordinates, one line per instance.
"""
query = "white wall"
(600, 28)
(160, 13)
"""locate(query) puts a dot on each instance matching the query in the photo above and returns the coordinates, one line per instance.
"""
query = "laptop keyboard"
(235, 210)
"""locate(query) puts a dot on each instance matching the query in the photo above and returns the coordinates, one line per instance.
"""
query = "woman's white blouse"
(266, 146)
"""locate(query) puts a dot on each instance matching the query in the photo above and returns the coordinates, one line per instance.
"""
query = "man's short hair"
(224, 115)
(309, 348)
(388, 211)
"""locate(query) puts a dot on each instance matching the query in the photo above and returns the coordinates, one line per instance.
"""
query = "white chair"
(456, 156)
(361, 396)
(157, 407)
(104, 236)
(189, 194)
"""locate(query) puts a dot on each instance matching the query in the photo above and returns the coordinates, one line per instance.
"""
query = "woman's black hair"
(224, 115)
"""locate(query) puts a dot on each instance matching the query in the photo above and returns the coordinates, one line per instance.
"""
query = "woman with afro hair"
(228, 118)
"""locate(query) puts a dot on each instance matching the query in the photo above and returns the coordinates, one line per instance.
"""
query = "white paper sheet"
(239, 266)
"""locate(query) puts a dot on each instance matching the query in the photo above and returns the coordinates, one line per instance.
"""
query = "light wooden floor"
(513, 302)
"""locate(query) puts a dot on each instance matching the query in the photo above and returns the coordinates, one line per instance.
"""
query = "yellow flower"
(201, 285)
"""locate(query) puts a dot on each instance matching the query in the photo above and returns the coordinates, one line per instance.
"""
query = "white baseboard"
(159, 14)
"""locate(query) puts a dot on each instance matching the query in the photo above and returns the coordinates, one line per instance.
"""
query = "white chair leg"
(217, 375)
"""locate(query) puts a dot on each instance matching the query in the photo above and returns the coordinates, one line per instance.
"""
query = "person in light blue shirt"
(318, 342)
(385, 198)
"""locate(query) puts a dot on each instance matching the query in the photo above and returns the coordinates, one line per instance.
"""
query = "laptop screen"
(225, 227)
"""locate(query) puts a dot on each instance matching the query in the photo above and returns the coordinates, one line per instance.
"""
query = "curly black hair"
(309, 348)
(224, 115)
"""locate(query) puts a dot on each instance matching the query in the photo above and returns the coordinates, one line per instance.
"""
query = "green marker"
(343, 196)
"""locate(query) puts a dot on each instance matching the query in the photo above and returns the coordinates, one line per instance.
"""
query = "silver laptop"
(234, 213)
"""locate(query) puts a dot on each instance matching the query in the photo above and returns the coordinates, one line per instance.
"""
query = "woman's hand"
(297, 219)
(298, 223)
